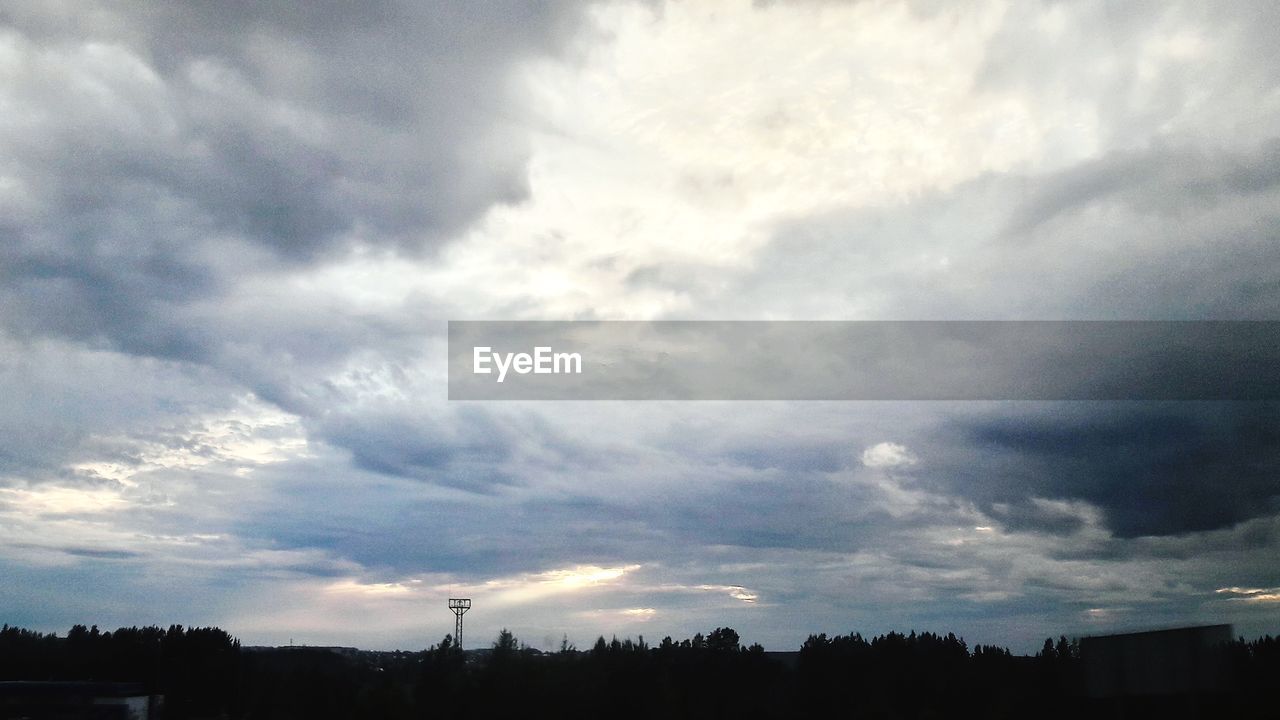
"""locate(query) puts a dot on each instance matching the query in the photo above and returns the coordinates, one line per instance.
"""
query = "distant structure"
(459, 606)
(1178, 661)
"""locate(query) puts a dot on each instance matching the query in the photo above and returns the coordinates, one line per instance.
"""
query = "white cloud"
(698, 127)
(887, 455)
(1251, 595)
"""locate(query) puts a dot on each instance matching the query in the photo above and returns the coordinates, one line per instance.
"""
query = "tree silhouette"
(204, 673)
(723, 640)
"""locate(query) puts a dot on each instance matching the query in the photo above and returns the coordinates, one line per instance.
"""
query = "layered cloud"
(229, 241)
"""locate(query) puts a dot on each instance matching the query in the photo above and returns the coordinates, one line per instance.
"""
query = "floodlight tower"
(459, 606)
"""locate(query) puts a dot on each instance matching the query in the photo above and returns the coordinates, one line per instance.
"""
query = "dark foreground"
(204, 673)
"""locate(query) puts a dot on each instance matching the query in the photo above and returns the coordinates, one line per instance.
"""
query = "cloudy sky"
(231, 236)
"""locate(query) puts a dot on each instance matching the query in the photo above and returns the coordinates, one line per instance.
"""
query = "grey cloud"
(313, 507)
(468, 452)
(1157, 197)
(61, 401)
(468, 447)
(163, 151)
(99, 553)
(1153, 469)
(1025, 515)
(1178, 232)
(1173, 181)
(791, 458)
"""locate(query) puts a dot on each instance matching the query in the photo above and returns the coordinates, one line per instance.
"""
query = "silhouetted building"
(63, 700)
(1180, 661)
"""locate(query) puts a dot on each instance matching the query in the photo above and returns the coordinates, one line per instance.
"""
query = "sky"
(231, 237)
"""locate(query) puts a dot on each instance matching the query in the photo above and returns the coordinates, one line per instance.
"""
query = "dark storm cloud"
(163, 151)
(1153, 469)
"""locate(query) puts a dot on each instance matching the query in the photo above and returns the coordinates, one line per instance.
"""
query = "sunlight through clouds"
(537, 586)
(42, 500)
(679, 169)
(1251, 595)
(252, 435)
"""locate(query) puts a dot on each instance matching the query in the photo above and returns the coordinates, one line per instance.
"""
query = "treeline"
(704, 676)
(929, 675)
(198, 670)
(203, 672)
